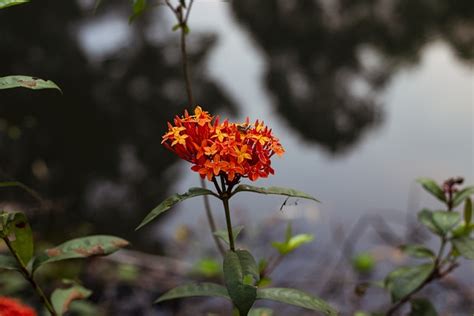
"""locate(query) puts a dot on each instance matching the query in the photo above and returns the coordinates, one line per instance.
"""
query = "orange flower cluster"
(229, 149)
(12, 307)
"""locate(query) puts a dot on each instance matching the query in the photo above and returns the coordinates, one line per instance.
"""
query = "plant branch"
(24, 187)
(29, 277)
(183, 20)
(434, 275)
(272, 265)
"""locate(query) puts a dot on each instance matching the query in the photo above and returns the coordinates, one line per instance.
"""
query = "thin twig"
(24, 187)
(183, 20)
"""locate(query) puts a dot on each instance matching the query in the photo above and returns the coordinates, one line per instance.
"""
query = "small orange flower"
(242, 153)
(12, 307)
(231, 150)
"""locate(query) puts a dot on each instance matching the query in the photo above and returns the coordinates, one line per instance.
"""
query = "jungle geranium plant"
(225, 153)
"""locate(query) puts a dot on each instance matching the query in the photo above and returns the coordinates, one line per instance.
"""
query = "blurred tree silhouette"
(328, 61)
(95, 149)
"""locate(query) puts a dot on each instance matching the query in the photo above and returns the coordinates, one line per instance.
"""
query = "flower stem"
(225, 201)
(183, 21)
(29, 277)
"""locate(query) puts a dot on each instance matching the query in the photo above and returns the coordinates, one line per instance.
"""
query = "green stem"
(29, 277)
(225, 201)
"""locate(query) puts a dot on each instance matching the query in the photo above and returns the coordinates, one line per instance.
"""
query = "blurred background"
(364, 95)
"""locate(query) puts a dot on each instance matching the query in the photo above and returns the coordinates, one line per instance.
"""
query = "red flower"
(12, 307)
(233, 150)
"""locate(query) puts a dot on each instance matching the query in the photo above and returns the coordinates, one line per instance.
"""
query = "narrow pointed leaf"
(171, 201)
(432, 187)
(236, 267)
(97, 245)
(195, 289)
(28, 82)
(403, 280)
(8, 263)
(467, 211)
(62, 298)
(293, 243)
(296, 298)
(138, 8)
(224, 236)
(465, 246)
(422, 307)
(274, 190)
(9, 3)
(417, 251)
(299, 240)
(176, 27)
(460, 196)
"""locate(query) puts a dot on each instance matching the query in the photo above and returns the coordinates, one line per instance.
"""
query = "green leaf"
(432, 187)
(404, 280)
(426, 218)
(417, 251)
(138, 8)
(293, 243)
(224, 236)
(422, 307)
(296, 298)
(8, 263)
(176, 27)
(186, 29)
(460, 196)
(261, 312)
(208, 267)
(171, 201)
(195, 289)
(8, 3)
(62, 298)
(249, 265)
(298, 240)
(465, 246)
(273, 190)
(467, 211)
(238, 265)
(14, 226)
(463, 229)
(445, 220)
(439, 222)
(97, 245)
(19, 81)
(84, 308)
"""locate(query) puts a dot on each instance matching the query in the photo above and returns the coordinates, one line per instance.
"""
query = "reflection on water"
(95, 149)
(328, 61)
